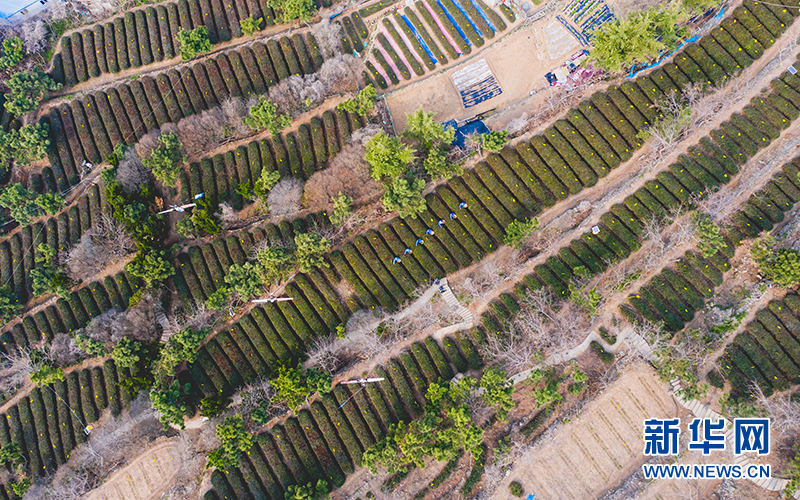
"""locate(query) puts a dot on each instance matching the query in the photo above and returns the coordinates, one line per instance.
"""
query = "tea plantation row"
(326, 441)
(143, 36)
(292, 154)
(87, 129)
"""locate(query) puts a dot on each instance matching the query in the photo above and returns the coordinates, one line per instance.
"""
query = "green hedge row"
(87, 131)
(150, 35)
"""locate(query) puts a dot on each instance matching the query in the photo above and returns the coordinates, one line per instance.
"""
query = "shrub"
(605, 357)
(250, 25)
(519, 231)
(515, 488)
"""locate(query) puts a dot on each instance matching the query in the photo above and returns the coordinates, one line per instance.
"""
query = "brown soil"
(600, 447)
(519, 61)
(145, 478)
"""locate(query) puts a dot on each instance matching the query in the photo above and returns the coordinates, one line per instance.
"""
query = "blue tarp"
(455, 24)
(419, 38)
(469, 19)
(476, 127)
(483, 15)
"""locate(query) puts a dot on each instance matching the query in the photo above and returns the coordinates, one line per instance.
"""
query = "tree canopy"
(193, 42)
(23, 204)
(244, 280)
(709, 234)
(26, 145)
(518, 231)
(421, 126)
(289, 10)
(309, 251)
(9, 304)
(27, 89)
(234, 440)
(170, 402)
(295, 385)
(150, 265)
(443, 431)
(250, 25)
(183, 346)
(13, 52)
(362, 103)
(636, 39)
(264, 115)
(497, 391)
(404, 194)
(388, 158)
(166, 159)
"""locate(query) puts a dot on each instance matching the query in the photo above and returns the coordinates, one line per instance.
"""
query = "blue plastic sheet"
(661, 59)
(458, 28)
(483, 15)
(469, 19)
(419, 39)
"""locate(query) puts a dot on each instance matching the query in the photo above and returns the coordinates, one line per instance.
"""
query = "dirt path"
(599, 448)
(145, 478)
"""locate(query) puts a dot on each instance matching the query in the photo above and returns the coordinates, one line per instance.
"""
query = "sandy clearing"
(144, 478)
(598, 449)
(518, 62)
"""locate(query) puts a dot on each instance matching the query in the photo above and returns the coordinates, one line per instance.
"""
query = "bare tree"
(513, 350)
(34, 35)
(327, 35)
(198, 317)
(550, 325)
(63, 350)
(340, 74)
(15, 367)
(285, 198)
(104, 244)
(131, 173)
(782, 409)
(327, 353)
(348, 174)
(227, 214)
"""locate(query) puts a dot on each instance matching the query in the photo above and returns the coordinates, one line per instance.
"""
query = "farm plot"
(18, 253)
(146, 36)
(675, 295)
(326, 440)
(423, 36)
(601, 447)
(317, 142)
(87, 129)
(73, 313)
(44, 427)
(767, 351)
